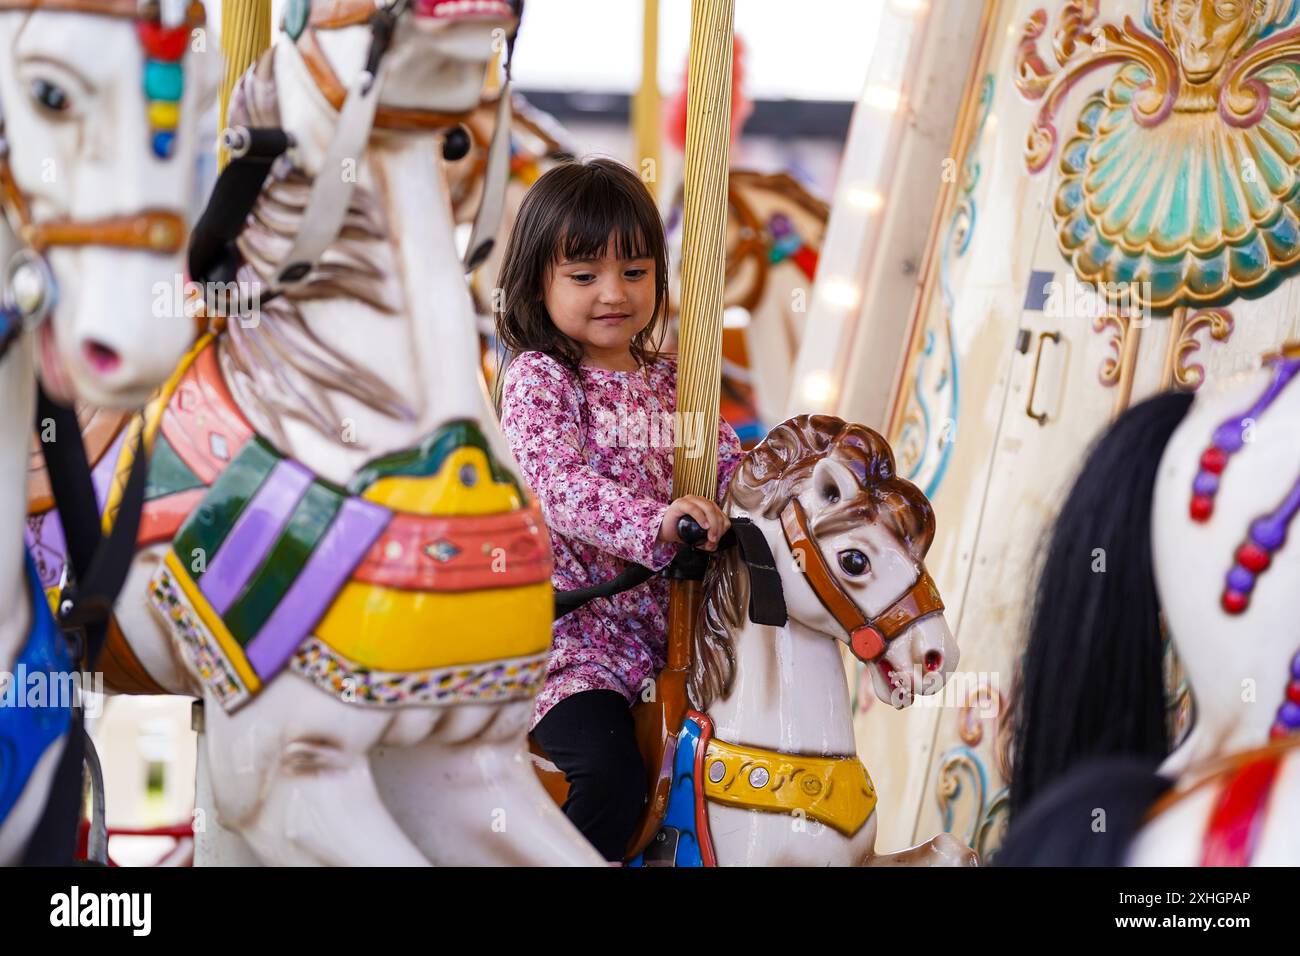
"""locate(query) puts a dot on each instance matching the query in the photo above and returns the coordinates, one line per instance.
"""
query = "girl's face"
(602, 304)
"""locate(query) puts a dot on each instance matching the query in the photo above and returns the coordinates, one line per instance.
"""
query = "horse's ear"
(831, 483)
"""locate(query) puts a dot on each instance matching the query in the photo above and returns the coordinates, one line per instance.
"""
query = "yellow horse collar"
(836, 791)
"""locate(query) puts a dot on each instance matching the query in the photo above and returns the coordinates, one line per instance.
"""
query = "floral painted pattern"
(597, 451)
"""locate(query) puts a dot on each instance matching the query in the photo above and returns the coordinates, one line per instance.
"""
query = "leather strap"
(766, 594)
(336, 94)
(487, 222)
(195, 15)
(152, 231)
(334, 14)
(15, 203)
(101, 566)
(327, 204)
(1197, 778)
(213, 253)
(868, 639)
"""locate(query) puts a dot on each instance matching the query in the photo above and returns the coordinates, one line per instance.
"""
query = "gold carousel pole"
(245, 36)
(645, 105)
(704, 232)
(699, 364)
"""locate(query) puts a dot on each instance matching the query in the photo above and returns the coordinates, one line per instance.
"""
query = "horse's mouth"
(900, 687)
(461, 10)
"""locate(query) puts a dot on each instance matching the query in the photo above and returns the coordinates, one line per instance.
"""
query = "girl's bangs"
(589, 226)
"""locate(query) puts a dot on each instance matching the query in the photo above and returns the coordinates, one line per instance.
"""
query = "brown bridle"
(868, 637)
(151, 230)
(334, 15)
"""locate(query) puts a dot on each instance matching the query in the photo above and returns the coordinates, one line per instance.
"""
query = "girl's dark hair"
(572, 212)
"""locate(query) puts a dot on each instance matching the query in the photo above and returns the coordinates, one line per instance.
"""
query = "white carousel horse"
(96, 179)
(333, 557)
(1194, 501)
(765, 771)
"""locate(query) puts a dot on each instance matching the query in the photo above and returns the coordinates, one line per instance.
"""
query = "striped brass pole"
(245, 36)
(704, 235)
(645, 106)
(699, 375)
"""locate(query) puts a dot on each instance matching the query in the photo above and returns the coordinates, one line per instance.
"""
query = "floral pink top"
(599, 458)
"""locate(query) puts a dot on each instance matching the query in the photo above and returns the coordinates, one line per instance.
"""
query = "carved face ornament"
(1206, 34)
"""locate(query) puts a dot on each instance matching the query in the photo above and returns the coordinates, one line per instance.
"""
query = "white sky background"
(805, 49)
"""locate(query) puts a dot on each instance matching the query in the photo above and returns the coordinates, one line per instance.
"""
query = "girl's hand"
(709, 516)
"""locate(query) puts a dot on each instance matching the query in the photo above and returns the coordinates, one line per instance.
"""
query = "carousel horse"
(830, 551)
(335, 554)
(1191, 500)
(96, 178)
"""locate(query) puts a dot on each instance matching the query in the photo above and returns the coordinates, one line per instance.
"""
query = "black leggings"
(589, 736)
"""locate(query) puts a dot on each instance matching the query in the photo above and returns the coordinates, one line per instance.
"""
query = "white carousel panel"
(1046, 207)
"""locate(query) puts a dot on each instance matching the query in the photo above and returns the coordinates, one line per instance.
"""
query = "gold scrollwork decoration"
(1076, 19)
(1243, 98)
(961, 781)
(1111, 367)
(1219, 323)
(982, 702)
(992, 827)
(1110, 45)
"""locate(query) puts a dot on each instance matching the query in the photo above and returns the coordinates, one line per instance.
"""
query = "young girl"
(587, 406)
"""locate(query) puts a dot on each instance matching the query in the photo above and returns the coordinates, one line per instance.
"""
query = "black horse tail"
(1091, 684)
(1088, 817)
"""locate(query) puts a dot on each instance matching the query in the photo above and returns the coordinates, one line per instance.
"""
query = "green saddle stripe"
(168, 473)
(206, 528)
(307, 524)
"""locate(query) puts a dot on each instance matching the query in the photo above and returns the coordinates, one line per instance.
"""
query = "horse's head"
(100, 108)
(849, 538)
(1227, 492)
(435, 61)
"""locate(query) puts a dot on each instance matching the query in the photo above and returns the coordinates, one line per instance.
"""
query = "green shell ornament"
(1200, 209)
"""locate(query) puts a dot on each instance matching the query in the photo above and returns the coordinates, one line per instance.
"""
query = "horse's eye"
(854, 562)
(831, 494)
(51, 97)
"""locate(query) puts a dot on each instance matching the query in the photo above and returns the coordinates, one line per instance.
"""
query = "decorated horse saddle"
(35, 710)
(834, 791)
(425, 580)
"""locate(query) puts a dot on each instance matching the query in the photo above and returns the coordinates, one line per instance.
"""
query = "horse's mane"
(279, 365)
(764, 482)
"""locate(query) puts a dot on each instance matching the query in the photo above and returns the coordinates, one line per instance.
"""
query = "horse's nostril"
(933, 660)
(100, 357)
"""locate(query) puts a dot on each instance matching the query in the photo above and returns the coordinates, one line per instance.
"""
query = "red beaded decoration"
(1234, 602)
(160, 42)
(1253, 558)
(1214, 460)
(1202, 507)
